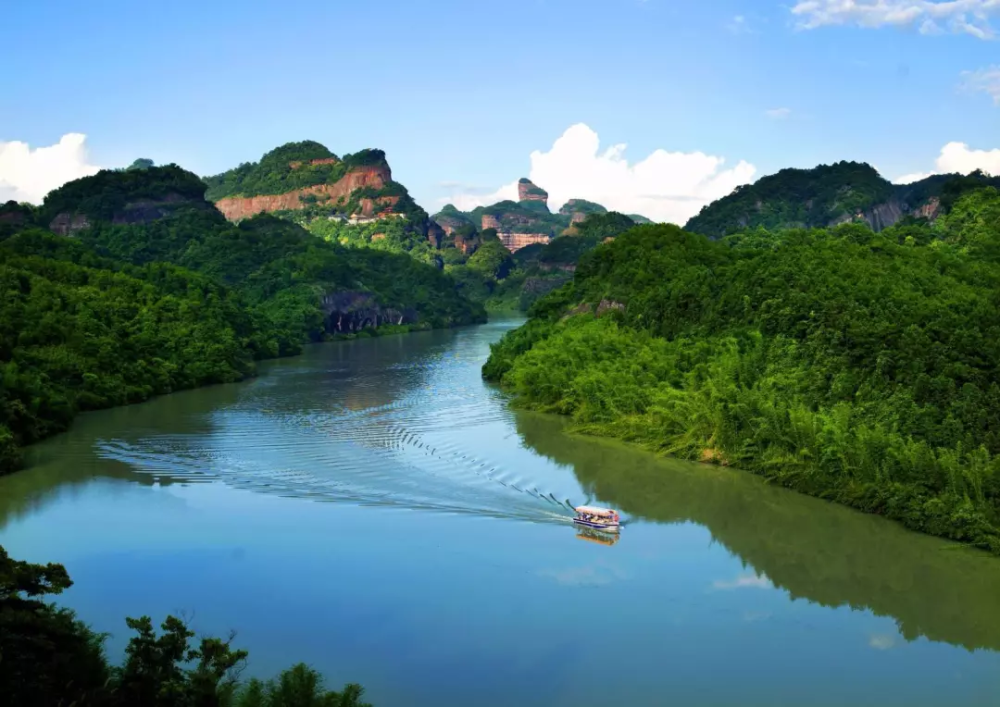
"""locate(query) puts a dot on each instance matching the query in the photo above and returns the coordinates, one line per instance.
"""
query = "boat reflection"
(596, 536)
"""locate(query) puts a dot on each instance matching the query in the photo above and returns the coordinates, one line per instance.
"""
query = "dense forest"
(825, 196)
(856, 366)
(49, 657)
(157, 292)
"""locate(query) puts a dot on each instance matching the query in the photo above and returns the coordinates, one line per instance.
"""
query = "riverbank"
(413, 499)
(840, 363)
(12, 454)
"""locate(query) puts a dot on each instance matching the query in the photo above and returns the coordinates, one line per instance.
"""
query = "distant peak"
(529, 191)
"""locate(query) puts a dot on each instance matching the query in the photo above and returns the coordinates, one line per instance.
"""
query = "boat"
(603, 519)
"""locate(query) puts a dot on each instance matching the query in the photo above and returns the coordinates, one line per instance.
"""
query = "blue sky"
(460, 93)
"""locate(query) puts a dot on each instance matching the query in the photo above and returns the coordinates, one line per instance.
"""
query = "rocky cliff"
(374, 177)
(528, 191)
(348, 312)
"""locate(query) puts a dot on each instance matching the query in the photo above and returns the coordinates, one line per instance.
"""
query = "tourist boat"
(603, 519)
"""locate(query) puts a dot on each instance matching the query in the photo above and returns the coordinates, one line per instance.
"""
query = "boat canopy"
(594, 511)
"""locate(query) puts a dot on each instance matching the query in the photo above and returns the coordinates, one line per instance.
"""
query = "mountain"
(849, 364)
(128, 284)
(540, 268)
(526, 221)
(824, 196)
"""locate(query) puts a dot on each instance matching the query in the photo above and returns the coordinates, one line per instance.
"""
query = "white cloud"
(665, 186)
(28, 174)
(957, 157)
(983, 81)
(881, 641)
(778, 113)
(929, 16)
(757, 581)
(912, 177)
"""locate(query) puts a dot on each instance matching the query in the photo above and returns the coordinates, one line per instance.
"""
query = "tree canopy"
(851, 365)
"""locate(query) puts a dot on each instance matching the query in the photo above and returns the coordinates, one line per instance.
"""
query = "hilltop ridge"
(825, 196)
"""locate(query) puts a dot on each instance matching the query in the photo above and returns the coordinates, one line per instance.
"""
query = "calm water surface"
(374, 509)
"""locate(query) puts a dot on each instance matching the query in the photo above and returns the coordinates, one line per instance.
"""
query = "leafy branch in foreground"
(48, 657)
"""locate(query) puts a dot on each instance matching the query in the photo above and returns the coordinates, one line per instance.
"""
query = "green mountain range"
(856, 365)
(129, 284)
(826, 196)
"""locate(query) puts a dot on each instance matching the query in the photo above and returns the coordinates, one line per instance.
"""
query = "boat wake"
(435, 446)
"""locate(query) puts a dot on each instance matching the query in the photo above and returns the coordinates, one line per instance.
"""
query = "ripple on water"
(360, 434)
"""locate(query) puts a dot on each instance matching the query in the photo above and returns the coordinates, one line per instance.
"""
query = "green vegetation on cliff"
(822, 197)
(49, 657)
(288, 168)
(858, 367)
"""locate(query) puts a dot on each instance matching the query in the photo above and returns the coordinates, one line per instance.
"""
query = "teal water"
(373, 508)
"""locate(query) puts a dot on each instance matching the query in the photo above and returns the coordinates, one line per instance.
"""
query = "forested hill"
(145, 288)
(857, 366)
(826, 196)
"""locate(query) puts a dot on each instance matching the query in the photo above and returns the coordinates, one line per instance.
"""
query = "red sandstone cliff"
(516, 241)
(236, 208)
(529, 191)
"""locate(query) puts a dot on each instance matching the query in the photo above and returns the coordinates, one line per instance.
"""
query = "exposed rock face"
(528, 191)
(884, 215)
(138, 212)
(607, 305)
(350, 312)
(436, 233)
(376, 177)
(69, 224)
(448, 224)
(490, 221)
(577, 217)
(930, 211)
(516, 241)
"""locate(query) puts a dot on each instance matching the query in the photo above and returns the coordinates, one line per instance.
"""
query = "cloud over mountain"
(664, 186)
(28, 174)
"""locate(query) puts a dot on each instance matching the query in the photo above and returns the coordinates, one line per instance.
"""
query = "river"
(376, 510)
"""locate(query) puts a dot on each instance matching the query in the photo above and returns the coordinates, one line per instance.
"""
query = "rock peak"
(528, 191)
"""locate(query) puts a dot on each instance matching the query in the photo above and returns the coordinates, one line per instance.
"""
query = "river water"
(376, 510)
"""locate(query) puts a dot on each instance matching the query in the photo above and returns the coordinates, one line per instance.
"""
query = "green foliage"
(141, 163)
(581, 206)
(109, 191)
(14, 217)
(128, 310)
(855, 366)
(48, 657)
(79, 333)
(810, 198)
(793, 198)
(492, 260)
(288, 168)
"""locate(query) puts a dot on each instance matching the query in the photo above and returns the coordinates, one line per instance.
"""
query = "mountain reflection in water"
(418, 503)
(814, 550)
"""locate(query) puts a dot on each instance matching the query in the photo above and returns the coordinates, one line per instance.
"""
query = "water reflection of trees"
(327, 380)
(814, 550)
